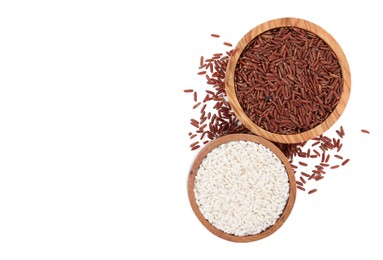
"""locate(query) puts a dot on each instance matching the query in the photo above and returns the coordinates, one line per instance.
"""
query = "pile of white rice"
(241, 188)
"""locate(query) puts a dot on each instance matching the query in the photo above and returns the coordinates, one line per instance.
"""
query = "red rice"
(342, 131)
(339, 133)
(312, 191)
(196, 105)
(194, 144)
(301, 188)
(345, 162)
(281, 81)
(195, 147)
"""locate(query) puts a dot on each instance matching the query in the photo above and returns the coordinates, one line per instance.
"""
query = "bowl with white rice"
(241, 187)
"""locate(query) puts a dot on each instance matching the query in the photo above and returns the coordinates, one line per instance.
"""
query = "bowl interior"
(288, 138)
(244, 137)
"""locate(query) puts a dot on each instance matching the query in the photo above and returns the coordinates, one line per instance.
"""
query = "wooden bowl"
(230, 77)
(244, 137)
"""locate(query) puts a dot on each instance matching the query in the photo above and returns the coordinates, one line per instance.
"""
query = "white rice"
(241, 188)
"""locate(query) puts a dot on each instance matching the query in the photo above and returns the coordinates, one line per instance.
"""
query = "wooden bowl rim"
(230, 76)
(241, 137)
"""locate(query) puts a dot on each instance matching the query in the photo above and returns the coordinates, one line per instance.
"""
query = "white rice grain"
(241, 188)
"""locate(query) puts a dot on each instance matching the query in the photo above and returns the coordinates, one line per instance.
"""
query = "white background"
(94, 153)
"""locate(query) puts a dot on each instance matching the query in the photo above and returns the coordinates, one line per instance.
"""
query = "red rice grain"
(215, 35)
(303, 164)
(188, 90)
(195, 147)
(196, 105)
(334, 167)
(339, 133)
(301, 188)
(342, 131)
(365, 131)
(194, 144)
(194, 124)
(201, 62)
(345, 162)
(303, 155)
(203, 108)
(312, 191)
(228, 44)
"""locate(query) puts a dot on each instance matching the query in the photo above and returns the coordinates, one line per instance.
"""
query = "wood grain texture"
(230, 77)
(244, 137)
